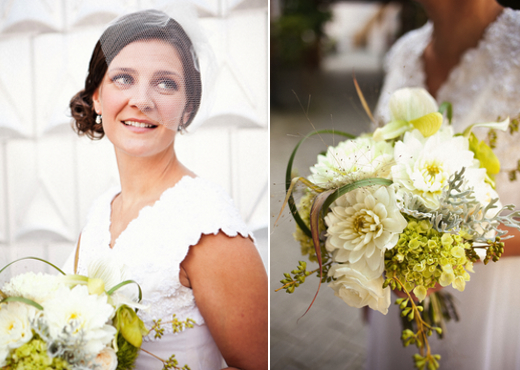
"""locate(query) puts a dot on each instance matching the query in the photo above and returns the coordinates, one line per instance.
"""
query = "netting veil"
(154, 65)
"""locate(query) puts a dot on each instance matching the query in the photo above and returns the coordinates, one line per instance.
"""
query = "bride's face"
(142, 98)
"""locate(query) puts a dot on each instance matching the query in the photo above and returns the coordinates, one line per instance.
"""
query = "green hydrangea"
(306, 243)
(424, 257)
(126, 355)
(33, 356)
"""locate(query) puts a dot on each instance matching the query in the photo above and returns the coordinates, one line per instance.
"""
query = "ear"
(96, 100)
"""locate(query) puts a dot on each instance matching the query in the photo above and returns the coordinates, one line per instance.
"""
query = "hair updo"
(143, 25)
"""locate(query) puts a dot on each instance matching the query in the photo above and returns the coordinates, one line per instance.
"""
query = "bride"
(467, 55)
(178, 235)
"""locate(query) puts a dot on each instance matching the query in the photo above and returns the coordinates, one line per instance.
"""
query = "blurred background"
(49, 176)
(316, 48)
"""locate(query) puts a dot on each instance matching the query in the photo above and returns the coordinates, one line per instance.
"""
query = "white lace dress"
(485, 85)
(152, 248)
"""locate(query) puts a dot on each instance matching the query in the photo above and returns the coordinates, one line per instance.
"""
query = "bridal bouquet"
(409, 207)
(73, 321)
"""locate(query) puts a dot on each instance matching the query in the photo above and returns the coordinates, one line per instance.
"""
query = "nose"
(140, 97)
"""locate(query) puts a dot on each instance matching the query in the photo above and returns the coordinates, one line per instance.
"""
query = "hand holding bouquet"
(407, 207)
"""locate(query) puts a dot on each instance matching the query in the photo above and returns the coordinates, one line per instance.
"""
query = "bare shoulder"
(230, 286)
(227, 250)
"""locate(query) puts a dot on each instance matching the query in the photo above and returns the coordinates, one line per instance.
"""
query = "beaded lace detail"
(487, 72)
(481, 88)
(155, 243)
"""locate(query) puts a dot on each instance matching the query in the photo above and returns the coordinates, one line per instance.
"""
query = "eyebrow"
(160, 72)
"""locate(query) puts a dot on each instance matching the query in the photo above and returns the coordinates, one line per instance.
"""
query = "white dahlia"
(81, 315)
(363, 224)
(352, 160)
(37, 287)
(424, 165)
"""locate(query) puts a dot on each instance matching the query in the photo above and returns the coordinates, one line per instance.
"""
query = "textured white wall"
(49, 176)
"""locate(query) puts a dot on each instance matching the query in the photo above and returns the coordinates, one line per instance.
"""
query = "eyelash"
(170, 84)
(129, 80)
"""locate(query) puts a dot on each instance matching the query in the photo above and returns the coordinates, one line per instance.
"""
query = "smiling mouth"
(138, 124)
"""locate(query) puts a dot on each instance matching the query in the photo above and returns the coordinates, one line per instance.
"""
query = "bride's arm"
(511, 246)
(229, 283)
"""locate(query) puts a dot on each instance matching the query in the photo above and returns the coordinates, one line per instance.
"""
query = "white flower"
(352, 160)
(82, 316)
(106, 359)
(362, 225)
(111, 272)
(37, 287)
(15, 326)
(108, 270)
(358, 291)
(424, 166)
(483, 192)
(104, 274)
(408, 104)
(410, 108)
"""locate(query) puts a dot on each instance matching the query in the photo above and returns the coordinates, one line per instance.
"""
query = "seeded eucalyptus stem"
(307, 273)
(167, 363)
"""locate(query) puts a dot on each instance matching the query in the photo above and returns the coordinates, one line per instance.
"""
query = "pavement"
(331, 335)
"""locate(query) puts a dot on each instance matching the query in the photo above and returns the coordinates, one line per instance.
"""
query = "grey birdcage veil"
(153, 63)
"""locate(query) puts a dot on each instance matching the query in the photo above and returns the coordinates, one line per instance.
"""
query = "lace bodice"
(155, 243)
(481, 88)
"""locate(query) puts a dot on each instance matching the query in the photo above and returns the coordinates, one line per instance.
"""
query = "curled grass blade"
(33, 258)
(122, 284)
(288, 177)
(349, 187)
(363, 101)
(315, 221)
(23, 300)
(294, 181)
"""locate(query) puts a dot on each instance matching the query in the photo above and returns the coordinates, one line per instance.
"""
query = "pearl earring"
(98, 119)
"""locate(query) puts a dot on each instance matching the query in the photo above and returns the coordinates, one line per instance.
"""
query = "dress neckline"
(465, 58)
(117, 190)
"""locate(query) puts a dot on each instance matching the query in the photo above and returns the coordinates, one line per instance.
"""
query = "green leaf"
(315, 220)
(448, 108)
(391, 130)
(122, 284)
(23, 300)
(288, 176)
(352, 186)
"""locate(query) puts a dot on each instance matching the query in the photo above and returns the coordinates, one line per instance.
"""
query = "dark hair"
(513, 4)
(143, 25)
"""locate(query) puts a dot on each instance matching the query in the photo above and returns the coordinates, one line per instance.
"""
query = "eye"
(123, 80)
(167, 84)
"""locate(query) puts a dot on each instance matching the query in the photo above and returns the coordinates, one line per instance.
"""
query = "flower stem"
(160, 359)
